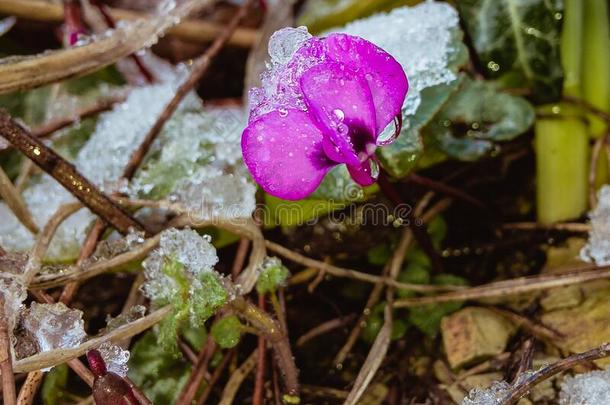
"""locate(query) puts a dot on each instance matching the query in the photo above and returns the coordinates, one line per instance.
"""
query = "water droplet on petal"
(339, 114)
(283, 112)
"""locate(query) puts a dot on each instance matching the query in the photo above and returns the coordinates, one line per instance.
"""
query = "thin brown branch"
(523, 386)
(374, 297)
(237, 378)
(200, 368)
(278, 340)
(12, 197)
(240, 257)
(76, 273)
(511, 287)
(598, 146)
(575, 227)
(49, 67)
(30, 387)
(196, 31)
(259, 379)
(446, 189)
(324, 328)
(589, 107)
(70, 289)
(67, 175)
(6, 358)
(49, 127)
(110, 22)
(43, 241)
(354, 274)
(198, 69)
(215, 377)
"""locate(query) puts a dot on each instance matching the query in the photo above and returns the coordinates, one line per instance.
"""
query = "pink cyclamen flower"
(325, 106)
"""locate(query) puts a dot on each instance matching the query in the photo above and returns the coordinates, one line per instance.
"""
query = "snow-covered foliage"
(116, 358)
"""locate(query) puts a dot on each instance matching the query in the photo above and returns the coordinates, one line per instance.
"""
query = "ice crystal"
(591, 388)
(489, 396)
(420, 38)
(14, 292)
(133, 314)
(597, 249)
(116, 358)
(55, 326)
(194, 252)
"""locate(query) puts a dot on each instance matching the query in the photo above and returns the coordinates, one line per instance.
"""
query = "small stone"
(473, 334)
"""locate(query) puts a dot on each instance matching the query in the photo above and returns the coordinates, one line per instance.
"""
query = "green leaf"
(402, 156)
(207, 297)
(273, 275)
(427, 318)
(518, 41)
(227, 331)
(379, 255)
(414, 273)
(158, 373)
(54, 387)
(319, 15)
(475, 118)
(335, 193)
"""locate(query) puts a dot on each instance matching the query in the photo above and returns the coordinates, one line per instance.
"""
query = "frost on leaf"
(490, 396)
(199, 165)
(193, 252)
(597, 249)
(273, 274)
(591, 388)
(133, 314)
(54, 326)
(180, 272)
(116, 358)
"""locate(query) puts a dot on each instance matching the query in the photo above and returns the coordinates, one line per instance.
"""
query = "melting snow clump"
(117, 135)
(200, 167)
(420, 38)
(196, 253)
(116, 358)
(55, 326)
(591, 388)
(597, 249)
(490, 396)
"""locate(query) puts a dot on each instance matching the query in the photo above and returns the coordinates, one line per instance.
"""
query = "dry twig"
(197, 31)
(523, 386)
(6, 358)
(66, 174)
(12, 197)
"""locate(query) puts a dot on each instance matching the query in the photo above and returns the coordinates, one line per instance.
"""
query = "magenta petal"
(385, 76)
(343, 105)
(362, 173)
(283, 150)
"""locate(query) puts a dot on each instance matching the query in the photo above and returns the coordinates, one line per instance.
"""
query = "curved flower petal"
(283, 151)
(385, 76)
(363, 173)
(342, 102)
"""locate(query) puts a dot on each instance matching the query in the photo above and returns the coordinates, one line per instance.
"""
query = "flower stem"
(595, 59)
(561, 142)
(273, 333)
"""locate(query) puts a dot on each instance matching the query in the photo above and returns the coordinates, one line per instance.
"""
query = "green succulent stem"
(272, 331)
(561, 141)
(595, 59)
(562, 148)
